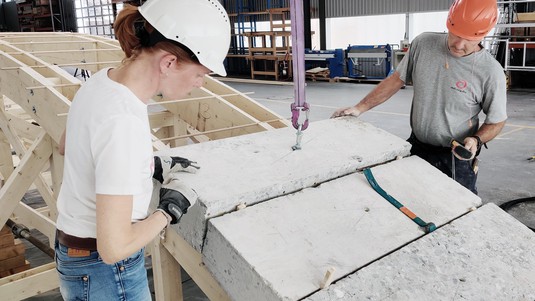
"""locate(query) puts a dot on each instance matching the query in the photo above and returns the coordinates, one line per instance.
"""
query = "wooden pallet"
(318, 73)
(12, 254)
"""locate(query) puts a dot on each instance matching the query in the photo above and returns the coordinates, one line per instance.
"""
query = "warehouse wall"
(373, 30)
(351, 8)
(361, 22)
(378, 30)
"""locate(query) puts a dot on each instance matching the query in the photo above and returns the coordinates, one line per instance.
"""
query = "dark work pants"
(440, 157)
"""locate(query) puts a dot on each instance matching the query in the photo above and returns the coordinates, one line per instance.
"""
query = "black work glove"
(165, 165)
(176, 198)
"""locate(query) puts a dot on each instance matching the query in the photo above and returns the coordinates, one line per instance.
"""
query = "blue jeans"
(89, 278)
(441, 158)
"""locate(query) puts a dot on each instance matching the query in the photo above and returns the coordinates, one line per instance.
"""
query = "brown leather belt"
(70, 241)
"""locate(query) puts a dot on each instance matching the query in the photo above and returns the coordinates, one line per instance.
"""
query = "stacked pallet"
(318, 73)
(12, 254)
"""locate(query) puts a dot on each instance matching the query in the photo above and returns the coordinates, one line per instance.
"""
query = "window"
(96, 16)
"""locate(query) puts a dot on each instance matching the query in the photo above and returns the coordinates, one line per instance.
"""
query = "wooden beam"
(197, 98)
(39, 181)
(167, 274)
(6, 159)
(36, 219)
(253, 81)
(74, 64)
(191, 261)
(20, 180)
(265, 124)
(240, 100)
(29, 283)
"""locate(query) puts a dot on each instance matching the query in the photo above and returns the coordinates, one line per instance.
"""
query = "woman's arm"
(117, 237)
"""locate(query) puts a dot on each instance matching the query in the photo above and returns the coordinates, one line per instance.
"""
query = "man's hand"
(349, 111)
(165, 165)
(472, 144)
(176, 198)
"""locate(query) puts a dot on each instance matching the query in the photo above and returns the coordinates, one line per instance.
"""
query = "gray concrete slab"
(254, 168)
(504, 172)
(484, 255)
(282, 248)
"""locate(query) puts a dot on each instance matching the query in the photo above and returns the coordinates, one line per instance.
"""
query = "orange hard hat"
(472, 19)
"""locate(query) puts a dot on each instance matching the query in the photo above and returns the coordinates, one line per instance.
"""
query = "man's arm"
(377, 96)
(486, 133)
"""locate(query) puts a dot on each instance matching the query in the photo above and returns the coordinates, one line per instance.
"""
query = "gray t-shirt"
(450, 92)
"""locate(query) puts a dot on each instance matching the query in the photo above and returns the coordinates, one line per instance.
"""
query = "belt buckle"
(72, 252)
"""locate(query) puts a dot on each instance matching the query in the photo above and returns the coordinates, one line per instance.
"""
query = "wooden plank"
(213, 113)
(245, 103)
(36, 219)
(6, 159)
(35, 271)
(166, 272)
(29, 283)
(12, 262)
(7, 240)
(252, 81)
(15, 270)
(15, 250)
(192, 263)
(6, 124)
(21, 179)
(43, 105)
(22, 128)
(526, 17)
(5, 230)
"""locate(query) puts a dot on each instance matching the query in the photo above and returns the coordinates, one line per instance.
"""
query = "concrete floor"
(505, 174)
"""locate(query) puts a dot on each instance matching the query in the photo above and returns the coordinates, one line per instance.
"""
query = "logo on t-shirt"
(460, 86)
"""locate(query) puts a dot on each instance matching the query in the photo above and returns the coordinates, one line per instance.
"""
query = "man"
(454, 79)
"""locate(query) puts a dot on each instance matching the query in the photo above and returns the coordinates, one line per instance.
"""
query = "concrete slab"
(484, 255)
(282, 248)
(253, 168)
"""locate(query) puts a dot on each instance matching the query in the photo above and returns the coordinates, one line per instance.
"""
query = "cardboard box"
(526, 17)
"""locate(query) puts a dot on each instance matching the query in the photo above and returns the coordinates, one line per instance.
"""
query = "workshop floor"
(504, 174)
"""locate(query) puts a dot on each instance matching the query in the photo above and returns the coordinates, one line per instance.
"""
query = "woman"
(103, 225)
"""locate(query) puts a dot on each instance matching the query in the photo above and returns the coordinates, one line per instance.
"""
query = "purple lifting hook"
(298, 61)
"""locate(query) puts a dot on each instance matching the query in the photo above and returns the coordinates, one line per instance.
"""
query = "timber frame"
(37, 90)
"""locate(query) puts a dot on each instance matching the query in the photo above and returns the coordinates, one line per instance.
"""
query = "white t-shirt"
(108, 150)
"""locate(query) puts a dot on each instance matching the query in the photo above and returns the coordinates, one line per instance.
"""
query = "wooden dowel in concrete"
(328, 278)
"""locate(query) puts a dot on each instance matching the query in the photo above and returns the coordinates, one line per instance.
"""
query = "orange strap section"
(407, 212)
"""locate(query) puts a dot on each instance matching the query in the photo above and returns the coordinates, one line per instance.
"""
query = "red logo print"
(461, 84)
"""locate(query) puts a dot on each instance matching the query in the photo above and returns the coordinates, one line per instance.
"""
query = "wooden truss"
(37, 83)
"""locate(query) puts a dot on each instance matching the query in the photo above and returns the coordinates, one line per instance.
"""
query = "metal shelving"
(513, 43)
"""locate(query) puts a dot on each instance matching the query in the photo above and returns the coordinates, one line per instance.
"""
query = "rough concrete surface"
(484, 255)
(281, 249)
(256, 167)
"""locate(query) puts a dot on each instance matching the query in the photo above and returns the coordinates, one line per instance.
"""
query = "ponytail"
(132, 32)
(125, 30)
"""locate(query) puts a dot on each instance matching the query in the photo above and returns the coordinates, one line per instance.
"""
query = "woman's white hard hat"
(202, 26)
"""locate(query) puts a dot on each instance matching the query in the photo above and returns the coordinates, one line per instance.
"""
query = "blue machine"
(369, 61)
(332, 59)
